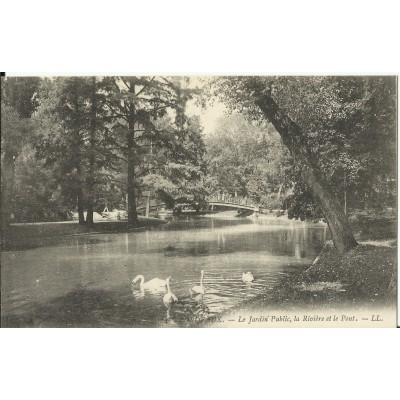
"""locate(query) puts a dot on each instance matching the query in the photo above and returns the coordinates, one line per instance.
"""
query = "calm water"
(86, 281)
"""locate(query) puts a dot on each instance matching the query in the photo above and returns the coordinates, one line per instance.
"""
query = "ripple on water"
(82, 282)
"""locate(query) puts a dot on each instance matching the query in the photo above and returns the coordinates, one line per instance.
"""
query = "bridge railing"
(243, 201)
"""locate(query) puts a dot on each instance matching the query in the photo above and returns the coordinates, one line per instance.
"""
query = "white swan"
(199, 289)
(169, 297)
(153, 284)
(247, 277)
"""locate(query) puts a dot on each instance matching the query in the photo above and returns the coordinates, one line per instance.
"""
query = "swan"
(199, 289)
(169, 297)
(153, 284)
(247, 277)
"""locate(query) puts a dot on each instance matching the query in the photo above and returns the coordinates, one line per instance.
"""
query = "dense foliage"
(348, 125)
(247, 160)
(71, 143)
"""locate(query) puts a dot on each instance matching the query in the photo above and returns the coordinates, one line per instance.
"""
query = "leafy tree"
(61, 119)
(354, 138)
(20, 93)
(18, 102)
(98, 155)
(37, 194)
(73, 139)
(15, 132)
(83, 141)
(246, 159)
(135, 104)
(174, 166)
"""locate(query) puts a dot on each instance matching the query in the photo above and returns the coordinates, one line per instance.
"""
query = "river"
(86, 281)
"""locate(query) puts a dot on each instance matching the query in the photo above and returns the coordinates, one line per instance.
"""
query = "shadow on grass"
(360, 277)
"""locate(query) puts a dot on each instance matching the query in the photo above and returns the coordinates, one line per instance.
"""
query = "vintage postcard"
(199, 201)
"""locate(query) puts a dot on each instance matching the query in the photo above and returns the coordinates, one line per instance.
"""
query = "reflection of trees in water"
(126, 243)
(296, 241)
(221, 240)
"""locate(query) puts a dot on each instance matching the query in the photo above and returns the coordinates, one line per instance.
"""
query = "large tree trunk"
(79, 190)
(81, 214)
(280, 191)
(89, 213)
(78, 151)
(133, 219)
(90, 177)
(291, 134)
(132, 212)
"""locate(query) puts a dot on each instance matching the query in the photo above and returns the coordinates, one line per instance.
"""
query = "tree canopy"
(96, 141)
(247, 159)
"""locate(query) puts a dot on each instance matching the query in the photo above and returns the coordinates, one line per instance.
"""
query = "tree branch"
(148, 170)
(115, 113)
(119, 157)
(123, 184)
(145, 87)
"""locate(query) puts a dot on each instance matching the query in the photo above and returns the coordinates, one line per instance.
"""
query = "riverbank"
(30, 235)
(363, 278)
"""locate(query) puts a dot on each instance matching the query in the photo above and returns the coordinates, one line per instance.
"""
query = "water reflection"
(81, 273)
(138, 294)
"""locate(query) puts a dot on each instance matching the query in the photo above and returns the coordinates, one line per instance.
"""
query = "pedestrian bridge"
(236, 206)
(243, 210)
(214, 205)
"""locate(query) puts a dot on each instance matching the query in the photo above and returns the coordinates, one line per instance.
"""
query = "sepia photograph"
(184, 167)
(189, 201)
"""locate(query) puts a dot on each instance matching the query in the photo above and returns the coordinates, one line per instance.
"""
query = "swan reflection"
(138, 294)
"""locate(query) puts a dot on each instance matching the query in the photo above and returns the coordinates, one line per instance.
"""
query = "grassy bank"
(22, 236)
(366, 276)
(363, 275)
